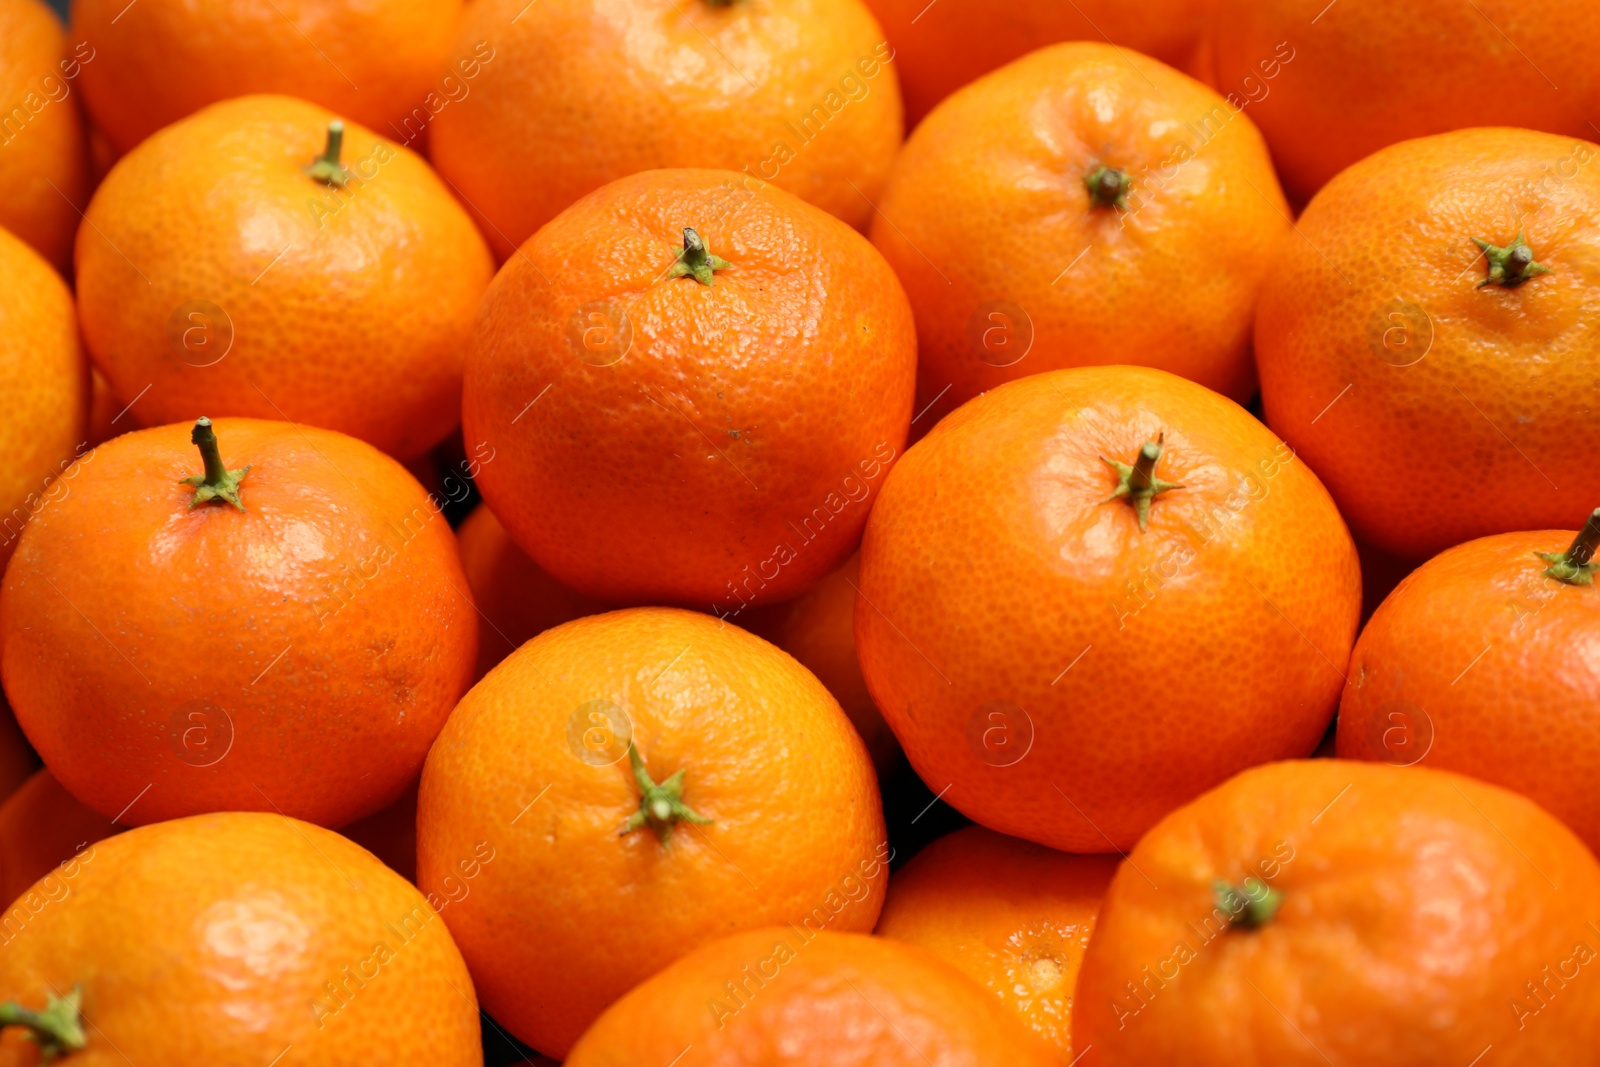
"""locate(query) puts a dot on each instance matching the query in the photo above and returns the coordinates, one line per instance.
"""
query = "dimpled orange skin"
(568, 914)
(372, 61)
(818, 629)
(1419, 908)
(583, 92)
(731, 454)
(516, 599)
(47, 148)
(45, 380)
(1013, 916)
(828, 1001)
(1369, 73)
(299, 656)
(347, 310)
(987, 207)
(939, 48)
(1522, 714)
(42, 826)
(1500, 381)
(236, 938)
(1152, 665)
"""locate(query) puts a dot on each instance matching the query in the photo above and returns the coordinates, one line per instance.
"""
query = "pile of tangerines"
(523, 521)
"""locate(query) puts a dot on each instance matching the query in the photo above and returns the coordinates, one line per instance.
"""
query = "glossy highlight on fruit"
(694, 385)
(799, 93)
(787, 996)
(1083, 205)
(294, 652)
(237, 937)
(1478, 663)
(626, 787)
(1304, 896)
(331, 279)
(1090, 595)
(1389, 327)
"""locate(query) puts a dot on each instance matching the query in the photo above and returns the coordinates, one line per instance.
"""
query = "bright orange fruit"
(786, 997)
(569, 875)
(170, 654)
(1013, 916)
(1083, 205)
(1315, 912)
(1476, 663)
(939, 47)
(235, 938)
(44, 163)
(45, 381)
(711, 437)
(579, 93)
(1332, 83)
(371, 60)
(1387, 335)
(1085, 599)
(335, 293)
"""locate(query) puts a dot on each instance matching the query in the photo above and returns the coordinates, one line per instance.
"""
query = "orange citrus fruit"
(44, 163)
(940, 47)
(332, 278)
(626, 787)
(1083, 205)
(45, 381)
(783, 997)
(238, 938)
(1089, 595)
(1315, 912)
(374, 61)
(1330, 84)
(277, 621)
(702, 425)
(1397, 327)
(799, 93)
(1013, 916)
(1474, 664)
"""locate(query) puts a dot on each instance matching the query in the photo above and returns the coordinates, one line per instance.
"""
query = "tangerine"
(693, 385)
(626, 787)
(1088, 596)
(331, 279)
(1081, 206)
(286, 631)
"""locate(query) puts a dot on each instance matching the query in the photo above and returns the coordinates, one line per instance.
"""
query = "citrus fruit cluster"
(760, 533)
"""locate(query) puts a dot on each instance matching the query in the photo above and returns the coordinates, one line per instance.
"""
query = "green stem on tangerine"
(696, 260)
(1512, 265)
(218, 482)
(660, 806)
(57, 1030)
(1249, 907)
(1108, 187)
(1138, 484)
(1576, 566)
(326, 168)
